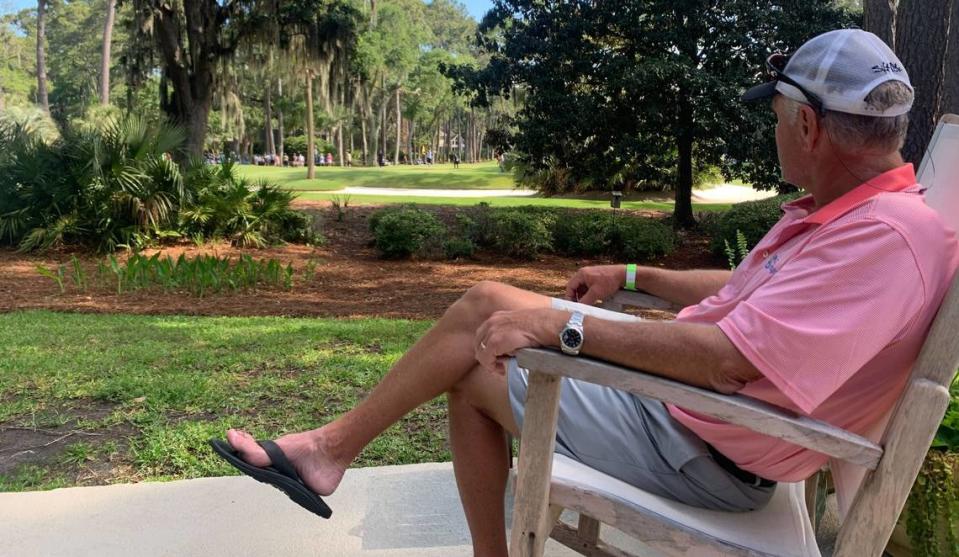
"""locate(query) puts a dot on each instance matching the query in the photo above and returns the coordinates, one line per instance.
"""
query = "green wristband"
(631, 276)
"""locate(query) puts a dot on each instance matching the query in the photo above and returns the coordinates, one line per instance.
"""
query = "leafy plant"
(79, 275)
(78, 453)
(752, 219)
(340, 204)
(249, 214)
(56, 276)
(309, 270)
(114, 184)
(458, 247)
(404, 231)
(933, 505)
(736, 255)
(521, 233)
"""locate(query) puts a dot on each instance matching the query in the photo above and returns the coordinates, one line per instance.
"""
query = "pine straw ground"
(349, 280)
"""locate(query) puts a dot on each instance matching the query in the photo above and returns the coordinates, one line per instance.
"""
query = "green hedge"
(523, 232)
(405, 231)
(752, 218)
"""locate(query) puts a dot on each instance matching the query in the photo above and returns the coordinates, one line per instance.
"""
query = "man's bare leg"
(434, 365)
(480, 416)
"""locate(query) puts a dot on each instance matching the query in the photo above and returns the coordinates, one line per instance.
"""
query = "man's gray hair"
(854, 133)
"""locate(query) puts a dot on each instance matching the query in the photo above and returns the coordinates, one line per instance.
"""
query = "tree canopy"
(640, 92)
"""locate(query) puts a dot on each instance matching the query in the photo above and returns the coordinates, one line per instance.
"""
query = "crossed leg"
(479, 413)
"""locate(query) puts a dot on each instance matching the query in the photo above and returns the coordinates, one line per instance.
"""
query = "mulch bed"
(349, 281)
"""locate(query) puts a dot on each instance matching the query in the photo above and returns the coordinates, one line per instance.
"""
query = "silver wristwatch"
(571, 338)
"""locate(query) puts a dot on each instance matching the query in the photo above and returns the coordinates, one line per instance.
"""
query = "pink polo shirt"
(832, 308)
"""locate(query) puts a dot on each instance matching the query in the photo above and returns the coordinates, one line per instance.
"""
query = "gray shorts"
(634, 439)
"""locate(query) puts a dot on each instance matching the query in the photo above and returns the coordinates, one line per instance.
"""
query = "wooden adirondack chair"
(873, 474)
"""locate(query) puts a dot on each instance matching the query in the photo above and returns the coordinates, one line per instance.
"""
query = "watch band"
(576, 319)
(631, 276)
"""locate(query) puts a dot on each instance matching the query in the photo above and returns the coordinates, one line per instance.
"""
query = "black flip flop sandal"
(280, 475)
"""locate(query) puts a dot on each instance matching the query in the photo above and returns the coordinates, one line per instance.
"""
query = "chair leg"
(531, 513)
(554, 512)
(588, 529)
(812, 491)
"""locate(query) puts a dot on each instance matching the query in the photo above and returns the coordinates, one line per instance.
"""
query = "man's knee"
(480, 301)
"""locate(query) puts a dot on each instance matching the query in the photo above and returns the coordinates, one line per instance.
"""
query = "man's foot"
(308, 452)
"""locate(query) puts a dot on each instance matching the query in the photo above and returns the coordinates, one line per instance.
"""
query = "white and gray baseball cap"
(835, 71)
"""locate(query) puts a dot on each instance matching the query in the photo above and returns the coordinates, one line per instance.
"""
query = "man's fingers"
(481, 333)
(590, 297)
(571, 287)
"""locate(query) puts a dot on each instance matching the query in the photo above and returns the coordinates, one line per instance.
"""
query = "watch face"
(572, 338)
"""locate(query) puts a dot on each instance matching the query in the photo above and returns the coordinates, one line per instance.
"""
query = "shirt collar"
(898, 179)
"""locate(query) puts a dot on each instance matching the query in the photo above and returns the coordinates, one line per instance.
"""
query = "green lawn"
(513, 201)
(439, 176)
(144, 393)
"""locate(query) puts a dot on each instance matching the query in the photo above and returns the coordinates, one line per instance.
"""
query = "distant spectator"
(429, 157)
(349, 158)
(456, 160)
(329, 159)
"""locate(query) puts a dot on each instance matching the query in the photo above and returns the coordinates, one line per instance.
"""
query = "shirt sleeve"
(849, 293)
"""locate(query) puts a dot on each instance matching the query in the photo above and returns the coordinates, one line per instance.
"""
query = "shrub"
(582, 233)
(458, 247)
(223, 205)
(639, 239)
(626, 237)
(100, 187)
(405, 231)
(752, 218)
(521, 234)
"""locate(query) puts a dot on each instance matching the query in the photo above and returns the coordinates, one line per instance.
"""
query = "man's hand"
(505, 332)
(599, 282)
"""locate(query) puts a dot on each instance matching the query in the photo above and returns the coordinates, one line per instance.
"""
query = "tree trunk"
(280, 151)
(339, 145)
(268, 119)
(280, 147)
(683, 210)
(42, 97)
(399, 127)
(412, 147)
(879, 17)
(352, 122)
(105, 53)
(921, 35)
(383, 130)
(192, 77)
(950, 86)
(448, 142)
(366, 147)
(310, 141)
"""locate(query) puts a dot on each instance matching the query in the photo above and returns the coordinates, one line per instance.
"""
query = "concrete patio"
(387, 511)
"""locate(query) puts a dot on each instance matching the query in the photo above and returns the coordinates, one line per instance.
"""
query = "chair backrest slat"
(874, 499)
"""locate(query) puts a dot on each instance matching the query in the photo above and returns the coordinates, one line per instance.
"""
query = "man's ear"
(810, 127)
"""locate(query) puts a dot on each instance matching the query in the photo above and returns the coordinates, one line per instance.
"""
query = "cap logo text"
(887, 67)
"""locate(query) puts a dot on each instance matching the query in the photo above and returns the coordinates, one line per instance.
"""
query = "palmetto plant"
(249, 214)
(94, 186)
(115, 184)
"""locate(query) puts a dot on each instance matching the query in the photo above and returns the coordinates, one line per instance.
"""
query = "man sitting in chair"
(824, 317)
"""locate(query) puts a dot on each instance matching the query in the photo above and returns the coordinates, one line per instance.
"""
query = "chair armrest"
(640, 300)
(750, 413)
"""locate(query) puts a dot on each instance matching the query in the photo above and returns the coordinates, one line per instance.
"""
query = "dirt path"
(349, 281)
